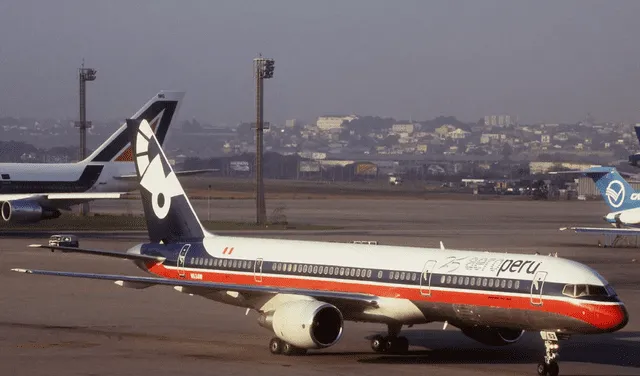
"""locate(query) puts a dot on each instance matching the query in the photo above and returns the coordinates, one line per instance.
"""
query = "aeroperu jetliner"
(303, 291)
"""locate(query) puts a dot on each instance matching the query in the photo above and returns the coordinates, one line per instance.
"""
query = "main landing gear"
(391, 344)
(549, 367)
(278, 346)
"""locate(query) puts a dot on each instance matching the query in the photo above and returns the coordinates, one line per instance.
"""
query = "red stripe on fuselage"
(601, 316)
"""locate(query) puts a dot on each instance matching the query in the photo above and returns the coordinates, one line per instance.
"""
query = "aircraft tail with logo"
(169, 214)
(615, 190)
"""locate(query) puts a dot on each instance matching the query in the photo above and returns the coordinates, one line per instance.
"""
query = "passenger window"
(289, 267)
(273, 266)
(484, 282)
(353, 272)
(442, 280)
(496, 283)
(192, 260)
(358, 273)
(235, 264)
(295, 268)
(466, 281)
(250, 264)
(473, 281)
(331, 270)
(517, 285)
(304, 269)
(402, 275)
(224, 263)
(454, 280)
(341, 271)
(510, 284)
(503, 283)
(369, 273)
(315, 269)
(326, 270)
(490, 282)
(448, 279)
(380, 274)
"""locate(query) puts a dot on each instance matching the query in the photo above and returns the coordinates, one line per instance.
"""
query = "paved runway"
(59, 326)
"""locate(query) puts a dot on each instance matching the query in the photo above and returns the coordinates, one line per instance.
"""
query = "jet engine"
(493, 336)
(307, 324)
(25, 211)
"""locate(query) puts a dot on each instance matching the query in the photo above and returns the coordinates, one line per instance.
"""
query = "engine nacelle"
(25, 211)
(493, 336)
(308, 324)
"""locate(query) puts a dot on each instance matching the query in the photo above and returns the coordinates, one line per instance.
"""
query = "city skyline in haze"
(542, 61)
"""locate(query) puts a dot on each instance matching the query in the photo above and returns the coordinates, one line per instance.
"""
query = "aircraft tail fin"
(159, 111)
(169, 214)
(615, 190)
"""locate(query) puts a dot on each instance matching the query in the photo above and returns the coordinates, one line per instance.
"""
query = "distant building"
(403, 128)
(498, 120)
(291, 123)
(325, 123)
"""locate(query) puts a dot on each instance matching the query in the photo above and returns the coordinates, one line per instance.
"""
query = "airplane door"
(536, 288)
(182, 256)
(257, 270)
(425, 278)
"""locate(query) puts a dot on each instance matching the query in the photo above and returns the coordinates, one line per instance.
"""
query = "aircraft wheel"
(276, 345)
(553, 369)
(378, 343)
(289, 349)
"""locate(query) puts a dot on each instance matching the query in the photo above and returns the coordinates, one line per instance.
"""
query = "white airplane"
(30, 192)
(622, 199)
(303, 291)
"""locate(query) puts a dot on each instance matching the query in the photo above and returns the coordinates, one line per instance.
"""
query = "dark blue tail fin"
(617, 193)
(169, 214)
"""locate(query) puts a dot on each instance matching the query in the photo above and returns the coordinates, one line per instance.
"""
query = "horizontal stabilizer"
(363, 299)
(178, 173)
(98, 252)
(604, 230)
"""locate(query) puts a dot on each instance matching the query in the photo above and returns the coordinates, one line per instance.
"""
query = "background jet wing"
(604, 230)
(63, 200)
(99, 252)
(198, 287)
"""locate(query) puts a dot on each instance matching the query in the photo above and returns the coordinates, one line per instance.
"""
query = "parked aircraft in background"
(30, 192)
(304, 290)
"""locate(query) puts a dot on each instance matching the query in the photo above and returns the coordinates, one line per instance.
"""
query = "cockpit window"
(577, 291)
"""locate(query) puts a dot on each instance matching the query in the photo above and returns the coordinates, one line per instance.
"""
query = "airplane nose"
(621, 317)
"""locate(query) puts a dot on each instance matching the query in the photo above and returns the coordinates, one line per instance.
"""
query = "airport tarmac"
(54, 326)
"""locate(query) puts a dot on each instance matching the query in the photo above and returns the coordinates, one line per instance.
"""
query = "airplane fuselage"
(34, 178)
(414, 285)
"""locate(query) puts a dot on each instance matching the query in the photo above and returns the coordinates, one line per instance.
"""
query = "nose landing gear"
(549, 367)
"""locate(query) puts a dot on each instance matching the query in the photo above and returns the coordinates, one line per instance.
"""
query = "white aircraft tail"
(159, 111)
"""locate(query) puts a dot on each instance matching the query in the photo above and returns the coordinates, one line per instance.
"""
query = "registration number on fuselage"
(196, 276)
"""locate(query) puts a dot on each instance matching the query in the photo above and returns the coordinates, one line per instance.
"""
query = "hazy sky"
(541, 60)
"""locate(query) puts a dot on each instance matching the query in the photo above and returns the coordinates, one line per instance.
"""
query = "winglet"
(21, 270)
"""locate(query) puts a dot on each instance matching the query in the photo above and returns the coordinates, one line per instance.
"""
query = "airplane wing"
(98, 252)
(185, 285)
(604, 230)
(63, 200)
(178, 173)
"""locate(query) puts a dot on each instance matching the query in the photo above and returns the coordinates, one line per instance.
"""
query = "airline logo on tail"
(615, 193)
(162, 186)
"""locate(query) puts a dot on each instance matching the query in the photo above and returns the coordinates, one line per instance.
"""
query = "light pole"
(263, 69)
(209, 204)
(84, 75)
